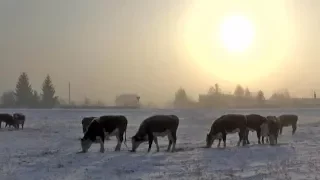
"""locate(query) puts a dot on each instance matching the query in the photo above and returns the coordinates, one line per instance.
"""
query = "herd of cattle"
(98, 129)
(14, 120)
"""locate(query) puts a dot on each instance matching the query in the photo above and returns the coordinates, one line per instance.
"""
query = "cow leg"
(174, 140)
(150, 139)
(259, 136)
(219, 143)
(170, 143)
(119, 139)
(294, 128)
(281, 127)
(22, 125)
(224, 138)
(240, 139)
(247, 137)
(155, 139)
(101, 140)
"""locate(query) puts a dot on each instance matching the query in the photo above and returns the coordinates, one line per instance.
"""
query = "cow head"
(210, 139)
(86, 144)
(137, 140)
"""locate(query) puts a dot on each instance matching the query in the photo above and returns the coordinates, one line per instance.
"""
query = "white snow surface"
(46, 149)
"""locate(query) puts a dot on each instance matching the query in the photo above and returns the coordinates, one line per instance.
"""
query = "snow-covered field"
(46, 149)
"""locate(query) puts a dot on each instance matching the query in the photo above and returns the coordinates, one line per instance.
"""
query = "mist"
(105, 48)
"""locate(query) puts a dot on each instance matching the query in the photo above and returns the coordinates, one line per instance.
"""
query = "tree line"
(24, 96)
(241, 97)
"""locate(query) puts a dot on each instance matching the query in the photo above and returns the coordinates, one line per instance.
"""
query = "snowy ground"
(46, 149)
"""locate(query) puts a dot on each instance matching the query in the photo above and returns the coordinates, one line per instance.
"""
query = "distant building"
(128, 100)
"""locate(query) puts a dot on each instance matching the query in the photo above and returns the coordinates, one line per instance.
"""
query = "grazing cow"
(227, 124)
(288, 120)
(85, 124)
(256, 123)
(102, 127)
(8, 119)
(20, 119)
(154, 126)
(273, 128)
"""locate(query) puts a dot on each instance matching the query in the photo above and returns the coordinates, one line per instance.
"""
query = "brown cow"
(286, 120)
(256, 123)
(155, 126)
(227, 124)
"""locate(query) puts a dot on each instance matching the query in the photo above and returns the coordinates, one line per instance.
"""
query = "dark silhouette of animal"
(105, 126)
(8, 119)
(85, 124)
(258, 123)
(19, 119)
(286, 120)
(227, 124)
(157, 126)
(273, 129)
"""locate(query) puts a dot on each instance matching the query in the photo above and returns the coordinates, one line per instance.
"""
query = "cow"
(227, 124)
(8, 119)
(256, 123)
(157, 126)
(286, 120)
(273, 129)
(86, 122)
(20, 119)
(105, 126)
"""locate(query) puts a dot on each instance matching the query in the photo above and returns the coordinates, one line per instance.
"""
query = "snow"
(46, 149)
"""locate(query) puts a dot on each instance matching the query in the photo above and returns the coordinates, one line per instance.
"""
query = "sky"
(109, 47)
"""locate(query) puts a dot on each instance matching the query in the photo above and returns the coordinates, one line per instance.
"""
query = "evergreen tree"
(49, 100)
(23, 91)
(239, 91)
(181, 98)
(260, 97)
(247, 92)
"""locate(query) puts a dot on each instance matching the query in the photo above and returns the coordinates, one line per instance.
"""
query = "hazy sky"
(150, 47)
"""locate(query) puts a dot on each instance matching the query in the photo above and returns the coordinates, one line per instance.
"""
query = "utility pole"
(69, 94)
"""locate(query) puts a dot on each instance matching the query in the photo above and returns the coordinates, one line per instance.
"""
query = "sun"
(236, 33)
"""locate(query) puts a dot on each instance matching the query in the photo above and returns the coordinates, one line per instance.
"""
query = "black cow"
(8, 119)
(288, 120)
(85, 124)
(155, 126)
(227, 124)
(102, 127)
(19, 119)
(256, 123)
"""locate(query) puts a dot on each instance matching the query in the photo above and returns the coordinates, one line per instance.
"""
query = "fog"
(108, 47)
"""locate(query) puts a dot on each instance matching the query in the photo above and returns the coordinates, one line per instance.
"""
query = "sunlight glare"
(236, 33)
